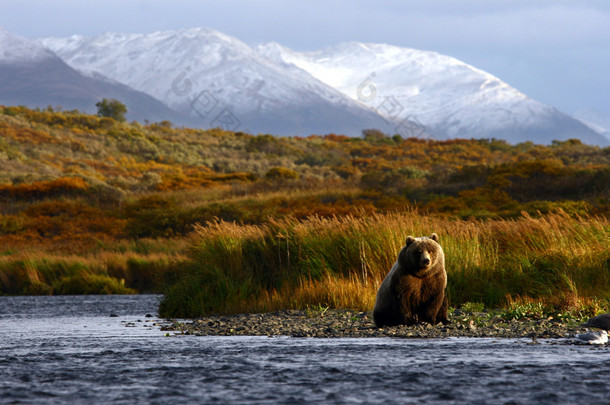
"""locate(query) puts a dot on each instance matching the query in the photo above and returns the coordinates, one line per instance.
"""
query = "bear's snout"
(424, 260)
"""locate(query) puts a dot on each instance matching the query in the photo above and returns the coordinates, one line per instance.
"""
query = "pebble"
(358, 324)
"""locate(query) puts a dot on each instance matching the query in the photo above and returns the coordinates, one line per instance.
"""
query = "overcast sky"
(557, 52)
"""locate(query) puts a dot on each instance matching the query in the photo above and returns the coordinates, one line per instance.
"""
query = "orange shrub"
(42, 189)
(26, 135)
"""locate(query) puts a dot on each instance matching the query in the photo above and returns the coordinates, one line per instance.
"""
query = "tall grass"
(340, 262)
(41, 273)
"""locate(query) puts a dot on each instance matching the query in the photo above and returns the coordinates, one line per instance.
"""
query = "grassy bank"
(556, 259)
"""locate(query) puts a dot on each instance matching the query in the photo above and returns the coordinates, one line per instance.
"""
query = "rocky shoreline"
(328, 323)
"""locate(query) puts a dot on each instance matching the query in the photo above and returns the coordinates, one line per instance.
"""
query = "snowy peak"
(125, 56)
(15, 49)
(158, 63)
(410, 75)
(344, 64)
(447, 96)
(202, 72)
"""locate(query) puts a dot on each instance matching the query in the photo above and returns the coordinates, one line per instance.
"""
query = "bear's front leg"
(408, 315)
(436, 310)
(441, 315)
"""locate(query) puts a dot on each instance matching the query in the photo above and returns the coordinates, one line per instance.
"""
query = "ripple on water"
(73, 355)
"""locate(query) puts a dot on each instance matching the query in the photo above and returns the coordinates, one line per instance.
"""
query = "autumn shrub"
(281, 173)
(103, 195)
(227, 177)
(152, 216)
(60, 208)
(65, 186)
(71, 219)
(11, 224)
(27, 135)
(158, 216)
(267, 144)
(390, 180)
(179, 221)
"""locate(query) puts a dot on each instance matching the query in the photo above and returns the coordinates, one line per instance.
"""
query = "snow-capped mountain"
(17, 50)
(448, 97)
(219, 80)
(32, 75)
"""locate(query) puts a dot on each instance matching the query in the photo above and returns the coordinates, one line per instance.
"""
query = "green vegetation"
(227, 221)
(111, 108)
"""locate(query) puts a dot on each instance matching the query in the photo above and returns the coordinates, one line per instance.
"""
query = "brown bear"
(414, 289)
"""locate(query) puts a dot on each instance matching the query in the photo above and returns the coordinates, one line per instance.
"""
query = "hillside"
(90, 205)
(318, 175)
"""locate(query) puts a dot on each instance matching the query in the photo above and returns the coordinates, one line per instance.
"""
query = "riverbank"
(328, 323)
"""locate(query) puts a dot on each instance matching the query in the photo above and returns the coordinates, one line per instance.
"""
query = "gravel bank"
(347, 323)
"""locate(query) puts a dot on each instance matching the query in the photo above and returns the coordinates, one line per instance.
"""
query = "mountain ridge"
(205, 73)
(204, 78)
(449, 97)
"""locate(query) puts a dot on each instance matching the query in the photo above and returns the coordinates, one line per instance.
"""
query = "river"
(69, 349)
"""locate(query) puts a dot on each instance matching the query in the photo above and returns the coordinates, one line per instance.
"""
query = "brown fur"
(414, 289)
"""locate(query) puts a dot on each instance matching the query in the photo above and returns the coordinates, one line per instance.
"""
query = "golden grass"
(339, 262)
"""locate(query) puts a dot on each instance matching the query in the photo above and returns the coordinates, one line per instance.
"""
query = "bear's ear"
(434, 237)
(410, 239)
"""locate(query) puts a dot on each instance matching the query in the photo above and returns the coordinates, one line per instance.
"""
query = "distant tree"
(111, 108)
(375, 136)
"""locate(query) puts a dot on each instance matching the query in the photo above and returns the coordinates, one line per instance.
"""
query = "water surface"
(69, 349)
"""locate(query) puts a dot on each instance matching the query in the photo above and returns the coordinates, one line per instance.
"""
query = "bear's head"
(420, 255)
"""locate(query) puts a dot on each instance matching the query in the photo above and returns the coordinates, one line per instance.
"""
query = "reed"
(340, 262)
